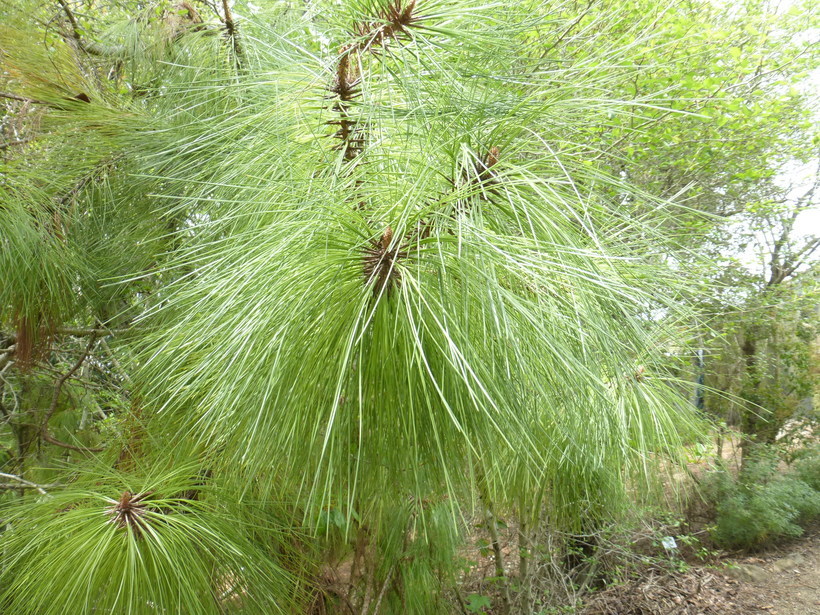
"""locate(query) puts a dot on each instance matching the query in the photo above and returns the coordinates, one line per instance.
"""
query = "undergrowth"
(764, 503)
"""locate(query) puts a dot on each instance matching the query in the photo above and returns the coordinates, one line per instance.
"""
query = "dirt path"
(785, 582)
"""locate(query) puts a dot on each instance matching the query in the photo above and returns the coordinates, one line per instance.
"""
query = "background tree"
(767, 321)
(738, 124)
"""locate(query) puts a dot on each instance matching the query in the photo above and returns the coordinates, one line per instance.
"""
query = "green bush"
(762, 505)
(807, 466)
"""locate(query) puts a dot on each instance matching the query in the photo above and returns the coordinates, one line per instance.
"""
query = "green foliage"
(806, 466)
(179, 551)
(476, 603)
(761, 506)
(764, 361)
(374, 267)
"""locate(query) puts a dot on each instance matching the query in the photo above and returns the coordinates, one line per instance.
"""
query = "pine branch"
(233, 33)
(346, 87)
(392, 22)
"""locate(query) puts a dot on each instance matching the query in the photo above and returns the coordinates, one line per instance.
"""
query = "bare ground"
(790, 584)
(781, 582)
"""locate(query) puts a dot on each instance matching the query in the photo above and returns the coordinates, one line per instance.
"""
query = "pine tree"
(373, 287)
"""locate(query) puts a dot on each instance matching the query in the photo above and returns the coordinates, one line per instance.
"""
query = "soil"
(790, 584)
(785, 581)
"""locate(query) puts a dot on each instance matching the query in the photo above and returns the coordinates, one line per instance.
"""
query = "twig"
(92, 48)
(11, 96)
(387, 580)
(802, 585)
(75, 28)
(27, 483)
(82, 449)
(498, 554)
(460, 601)
(99, 332)
(798, 259)
(358, 555)
(211, 6)
(568, 29)
(17, 142)
(59, 385)
(6, 357)
(15, 486)
(76, 332)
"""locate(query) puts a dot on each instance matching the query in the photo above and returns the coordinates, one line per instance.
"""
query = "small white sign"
(669, 543)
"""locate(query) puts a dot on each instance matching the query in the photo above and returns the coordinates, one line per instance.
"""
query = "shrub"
(762, 505)
(807, 466)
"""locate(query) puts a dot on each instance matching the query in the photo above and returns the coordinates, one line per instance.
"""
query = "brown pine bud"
(387, 238)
